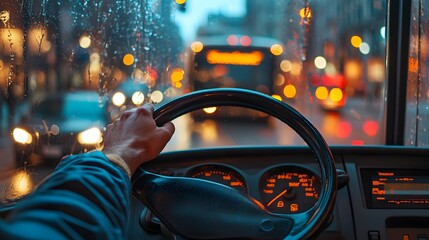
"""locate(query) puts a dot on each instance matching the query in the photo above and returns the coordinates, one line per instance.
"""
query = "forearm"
(90, 200)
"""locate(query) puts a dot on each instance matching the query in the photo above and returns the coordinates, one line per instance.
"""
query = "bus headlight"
(118, 99)
(22, 136)
(90, 136)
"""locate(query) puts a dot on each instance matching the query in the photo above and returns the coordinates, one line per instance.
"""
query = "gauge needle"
(277, 197)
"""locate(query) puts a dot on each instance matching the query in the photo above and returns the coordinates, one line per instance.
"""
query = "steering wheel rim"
(285, 113)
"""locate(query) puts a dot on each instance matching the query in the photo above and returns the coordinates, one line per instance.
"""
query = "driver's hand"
(135, 138)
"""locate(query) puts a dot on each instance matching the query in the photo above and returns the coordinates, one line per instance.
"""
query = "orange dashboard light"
(236, 183)
(386, 174)
(294, 207)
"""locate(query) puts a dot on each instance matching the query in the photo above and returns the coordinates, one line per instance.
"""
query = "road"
(358, 123)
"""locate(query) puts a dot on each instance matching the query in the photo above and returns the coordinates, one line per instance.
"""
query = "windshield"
(327, 59)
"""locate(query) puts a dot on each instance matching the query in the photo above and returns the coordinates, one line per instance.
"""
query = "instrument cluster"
(285, 189)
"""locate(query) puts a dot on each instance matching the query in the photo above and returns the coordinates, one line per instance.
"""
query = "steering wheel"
(198, 209)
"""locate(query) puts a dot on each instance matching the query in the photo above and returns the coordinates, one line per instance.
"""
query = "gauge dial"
(289, 190)
(220, 174)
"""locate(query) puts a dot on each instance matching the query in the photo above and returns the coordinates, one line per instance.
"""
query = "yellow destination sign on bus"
(234, 58)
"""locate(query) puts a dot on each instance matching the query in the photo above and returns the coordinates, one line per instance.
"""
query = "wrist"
(119, 161)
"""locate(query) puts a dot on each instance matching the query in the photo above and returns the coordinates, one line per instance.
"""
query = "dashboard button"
(422, 237)
(374, 235)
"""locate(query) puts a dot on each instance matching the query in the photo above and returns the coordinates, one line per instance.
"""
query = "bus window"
(417, 104)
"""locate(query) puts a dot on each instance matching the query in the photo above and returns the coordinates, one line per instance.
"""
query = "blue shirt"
(86, 197)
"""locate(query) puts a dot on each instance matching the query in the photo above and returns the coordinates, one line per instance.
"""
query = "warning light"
(280, 204)
(294, 207)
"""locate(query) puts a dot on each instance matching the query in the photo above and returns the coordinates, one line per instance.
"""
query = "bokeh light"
(245, 41)
(156, 96)
(336, 94)
(137, 98)
(322, 93)
(128, 59)
(370, 128)
(285, 65)
(383, 32)
(210, 110)
(356, 41)
(85, 41)
(232, 40)
(118, 99)
(364, 48)
(197, 46)
(305, 12)
(320, 62)
(344, 129)
(289, 91)
(276, 49)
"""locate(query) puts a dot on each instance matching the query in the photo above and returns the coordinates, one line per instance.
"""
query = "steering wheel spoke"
(199, 209)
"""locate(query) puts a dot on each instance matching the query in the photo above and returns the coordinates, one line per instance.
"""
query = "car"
(128, 94)
(329, 90)
(133, 93)
(357, 171)
(58, 125)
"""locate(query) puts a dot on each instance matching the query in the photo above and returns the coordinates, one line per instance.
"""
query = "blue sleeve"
(87, 197)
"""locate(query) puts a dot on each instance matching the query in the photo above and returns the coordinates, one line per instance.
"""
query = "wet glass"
(417, 117)
(329, 65)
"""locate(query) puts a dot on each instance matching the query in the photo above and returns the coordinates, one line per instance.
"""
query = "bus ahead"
(238, 61)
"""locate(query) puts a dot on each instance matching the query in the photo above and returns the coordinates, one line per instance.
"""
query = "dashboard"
(387, 195)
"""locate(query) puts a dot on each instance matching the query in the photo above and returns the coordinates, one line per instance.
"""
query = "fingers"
(149, 107)
(163, 135)
(145, 111)
(168, 128)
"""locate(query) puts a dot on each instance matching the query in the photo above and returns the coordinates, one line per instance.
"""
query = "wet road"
(358, 123)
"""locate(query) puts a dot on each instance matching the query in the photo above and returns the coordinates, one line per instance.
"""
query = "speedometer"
(220, 174)
(289, 189)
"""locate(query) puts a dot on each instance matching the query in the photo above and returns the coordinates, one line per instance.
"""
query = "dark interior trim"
(397, 49)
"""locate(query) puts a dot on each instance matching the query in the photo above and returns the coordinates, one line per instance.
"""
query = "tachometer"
(220, 174)
(289, 189)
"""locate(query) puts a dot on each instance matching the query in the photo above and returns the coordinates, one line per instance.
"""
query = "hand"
(135, 137)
